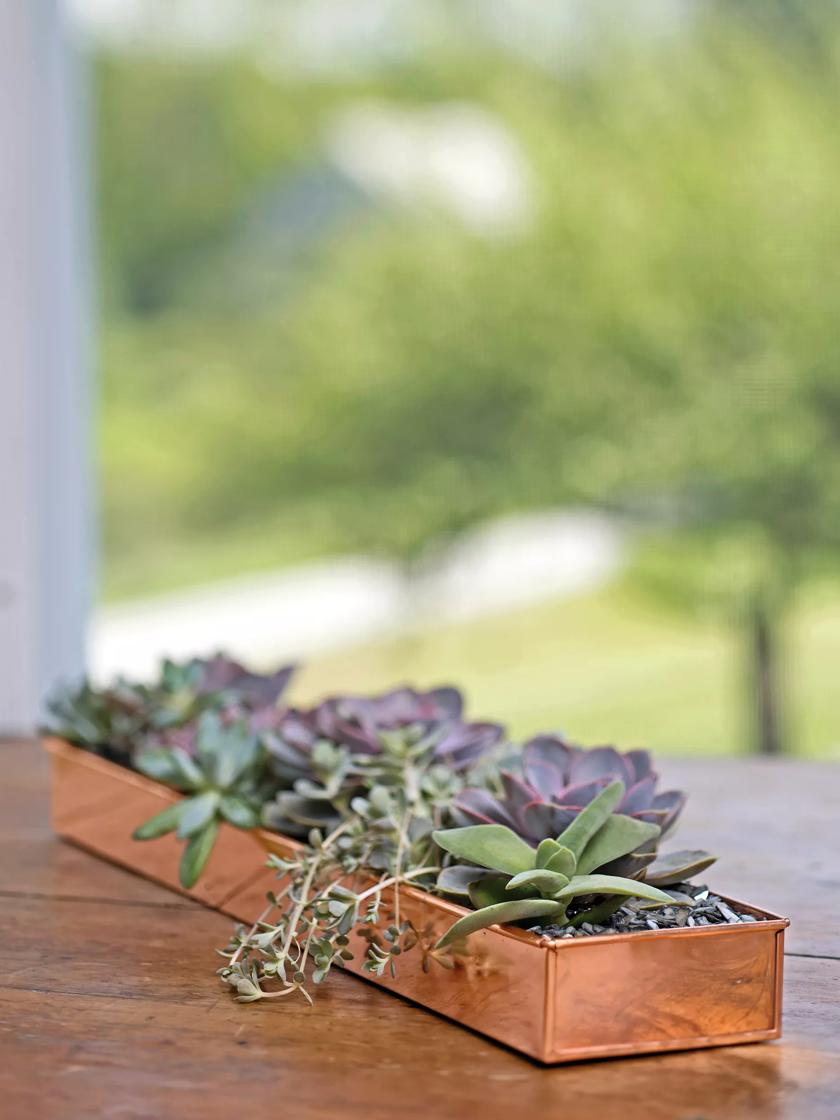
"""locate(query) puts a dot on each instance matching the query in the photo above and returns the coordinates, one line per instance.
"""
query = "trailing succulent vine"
(378, 793)
(383, 782)
(347, 880)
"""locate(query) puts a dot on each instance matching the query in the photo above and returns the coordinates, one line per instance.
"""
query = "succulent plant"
(360, 722)
(106, 721)
(222, 782)
(332, 752)
(122, 718)
(234, 683)
(562, 879)
(559, 780)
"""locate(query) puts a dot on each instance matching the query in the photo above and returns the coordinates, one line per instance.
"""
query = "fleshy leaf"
(238, 812)
(517, 793)
(631, 866)
(563, 861)
(158, 763)
(590, 819)
(540, 819)
(546, 882)
(612, 884)
(600, 911)
(501, 912)
(670, 804)
(617, 836)
(197, 811)
(678, 867)
(188, 768)
(479, 805)
(601, 763)
(226, 750)
(544, 778)
(641, 764)
(210, 739)
(492, 888)
(639, 796)
(488, 845)
(160, 823)
(545, 850)
(578, 796)
(457, 879)
(196, 854)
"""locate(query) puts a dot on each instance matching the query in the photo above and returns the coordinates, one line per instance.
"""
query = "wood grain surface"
(109, 1007)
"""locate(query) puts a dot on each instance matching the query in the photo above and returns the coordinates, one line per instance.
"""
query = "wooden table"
(109, 1006)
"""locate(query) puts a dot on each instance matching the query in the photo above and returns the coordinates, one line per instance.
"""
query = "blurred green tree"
(662, 339)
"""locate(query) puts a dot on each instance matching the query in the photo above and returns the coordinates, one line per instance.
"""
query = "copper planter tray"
(557, 1001)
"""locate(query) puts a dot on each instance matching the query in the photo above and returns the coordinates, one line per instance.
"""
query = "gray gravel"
(708, 910)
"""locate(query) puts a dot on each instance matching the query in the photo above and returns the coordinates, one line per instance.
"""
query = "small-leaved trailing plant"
(397, 762)
(563, 879)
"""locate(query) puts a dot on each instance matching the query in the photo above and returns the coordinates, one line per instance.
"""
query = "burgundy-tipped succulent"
(362, 724)
(254, 691)
(328, 752)
(559, 780)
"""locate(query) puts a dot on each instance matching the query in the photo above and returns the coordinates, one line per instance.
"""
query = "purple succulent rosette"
(559, 780)
(254, 691)
(358, 724)
(223, 684)
(327, 754)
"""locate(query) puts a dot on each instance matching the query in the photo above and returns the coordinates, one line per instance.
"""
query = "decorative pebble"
(709, 910)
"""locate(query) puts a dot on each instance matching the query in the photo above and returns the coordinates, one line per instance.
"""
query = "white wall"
(44, 493)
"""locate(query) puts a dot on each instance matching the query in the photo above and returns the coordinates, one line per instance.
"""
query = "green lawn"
(158, 562)
(611, 667)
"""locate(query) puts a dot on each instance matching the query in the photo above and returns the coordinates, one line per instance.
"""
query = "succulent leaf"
(492, 888)
(190, 772)
(158, 763)
(612, 884)
(563, 861)
(589, 820)
(160, 823)
(457, 879)
(600, 912)
(545, 850)
(617, 836)
(488, 845)
(224, 749)
(197, 812)
(677, 867)
(238, 812)
(501, 912)
(631, 866)
(196, 854)
(540, 880)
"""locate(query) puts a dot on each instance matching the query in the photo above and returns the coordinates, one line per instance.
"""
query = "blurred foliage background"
(296, 365)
